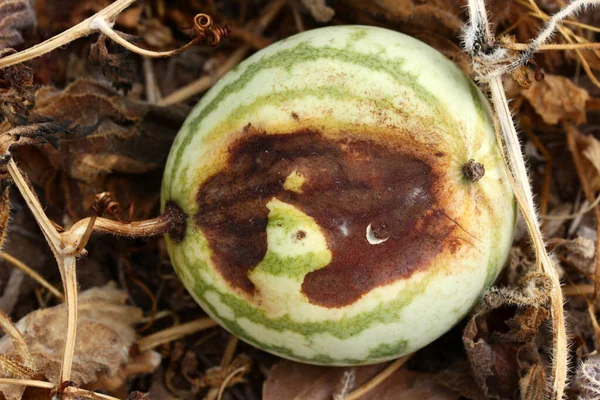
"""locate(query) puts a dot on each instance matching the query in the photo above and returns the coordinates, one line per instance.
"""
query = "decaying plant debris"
(93, 117)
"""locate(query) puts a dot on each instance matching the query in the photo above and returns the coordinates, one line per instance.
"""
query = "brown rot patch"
(376, 206)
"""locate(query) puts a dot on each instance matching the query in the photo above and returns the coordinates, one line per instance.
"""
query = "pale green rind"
(338, 79)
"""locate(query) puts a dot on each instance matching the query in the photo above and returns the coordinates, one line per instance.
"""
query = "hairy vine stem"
(491, 62)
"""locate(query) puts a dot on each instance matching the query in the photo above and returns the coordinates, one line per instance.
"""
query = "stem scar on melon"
(345, 199)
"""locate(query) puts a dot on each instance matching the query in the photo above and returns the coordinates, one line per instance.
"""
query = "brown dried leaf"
(290, 380)
(215, 376)
(410, 16)
(533, 384)
(131, 137)
(459, 378)
(105, 335)
(503, 325)
(319, 10)
(556, 99)
(15, 16)
(580, 252)
(16, 86)
(116, 63)
(589, 146)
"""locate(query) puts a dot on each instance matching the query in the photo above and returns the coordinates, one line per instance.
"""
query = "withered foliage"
(15, 15)
(105, 339)
(87, 119)
(291, 380)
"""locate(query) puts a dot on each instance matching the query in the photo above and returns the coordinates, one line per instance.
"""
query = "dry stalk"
(28, 382)
(491, 62)
(174, 333)
(229, 377)
(17, 339)
(380, 377)
(33, 274)
(572, 132)
(66, 246)
(65, 258)
(82, 29)
(102, 22)
(226, 359)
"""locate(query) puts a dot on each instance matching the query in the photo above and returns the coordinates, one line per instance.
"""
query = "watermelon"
(345, 200)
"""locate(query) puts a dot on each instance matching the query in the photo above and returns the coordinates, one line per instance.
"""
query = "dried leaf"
(215, 376)
(116, 63)
(319, 10)
(580, 252)
(589, 146)
(533, 384)
(132, 137)
(105, 335)
(459, 378)
(505, 322)
(15, 16)
(290, 380)
(439, 17)
(16, 86)
(557, 99)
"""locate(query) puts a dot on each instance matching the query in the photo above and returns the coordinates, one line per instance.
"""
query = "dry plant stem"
(380, 377)
(583, 211)
(584, 289)
(101, 25)
(174, 333)
(50, 233)
(80, 30)
(589, 194)
(28, 382)
(228, 354)
(34, 275)
(509, 144)
(229, 351)
(206, 82)
(65, 258)
(519, 181)
(77, 393)
(553, 46)
(69, 274)
(226, 381)
(17, 340)
(150, 227)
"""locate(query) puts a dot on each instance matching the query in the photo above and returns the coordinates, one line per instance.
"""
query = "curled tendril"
(206, 32)
(104, 203)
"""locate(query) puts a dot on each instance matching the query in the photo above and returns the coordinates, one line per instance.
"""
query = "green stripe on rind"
(223, 112)
(344, 328)
(286, 59)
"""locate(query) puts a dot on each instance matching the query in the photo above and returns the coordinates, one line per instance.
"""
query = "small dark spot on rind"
(439, 154)
(178, 221)
(295, 115)
(300, 235)
(473, 170)
(347, 181)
